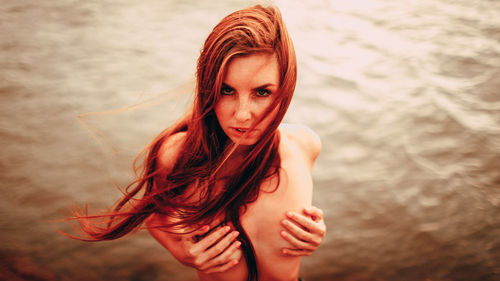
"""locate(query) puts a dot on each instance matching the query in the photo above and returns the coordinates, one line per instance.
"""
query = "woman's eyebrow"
(224, 84)
(263, 86)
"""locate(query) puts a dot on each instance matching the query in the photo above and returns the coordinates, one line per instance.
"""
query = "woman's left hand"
(303, 231)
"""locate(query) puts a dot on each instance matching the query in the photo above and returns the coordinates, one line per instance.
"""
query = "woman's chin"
(244, 143)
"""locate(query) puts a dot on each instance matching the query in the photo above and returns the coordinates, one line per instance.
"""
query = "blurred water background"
(404, 94)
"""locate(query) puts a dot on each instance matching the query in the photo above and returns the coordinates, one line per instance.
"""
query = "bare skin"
(264, 218)
(279, 223)
(267, 223)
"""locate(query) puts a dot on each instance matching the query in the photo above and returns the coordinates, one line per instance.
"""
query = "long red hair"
(244, 32)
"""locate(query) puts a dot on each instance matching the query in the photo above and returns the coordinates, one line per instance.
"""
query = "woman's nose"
(243, 111)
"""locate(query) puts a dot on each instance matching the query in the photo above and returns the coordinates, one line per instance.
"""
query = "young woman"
(228, 189)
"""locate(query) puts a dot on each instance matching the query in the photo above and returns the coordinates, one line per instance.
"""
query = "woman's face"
(249, 88)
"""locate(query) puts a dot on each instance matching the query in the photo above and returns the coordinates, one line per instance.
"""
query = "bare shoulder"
(308, 141)
(170, 150)
(168, 153)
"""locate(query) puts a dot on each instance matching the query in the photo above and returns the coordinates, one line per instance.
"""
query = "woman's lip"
(239, 132)
(241, 129)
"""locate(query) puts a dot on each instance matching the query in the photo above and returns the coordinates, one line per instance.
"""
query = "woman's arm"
(216, 252)
(304, 231)
(307, 140)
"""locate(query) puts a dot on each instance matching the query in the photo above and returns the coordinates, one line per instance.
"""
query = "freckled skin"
(248, 90)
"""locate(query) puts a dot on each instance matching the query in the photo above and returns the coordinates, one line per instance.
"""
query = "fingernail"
(237, 244)
(283, 251)
(235, 262)
(236, 233)
(283, 233)
(284, 221)
(205, 228)
(227, 228)
(289, 214)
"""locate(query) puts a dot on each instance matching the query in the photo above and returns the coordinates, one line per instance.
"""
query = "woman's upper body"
(227, 161)
(244, 112)
(262, 219)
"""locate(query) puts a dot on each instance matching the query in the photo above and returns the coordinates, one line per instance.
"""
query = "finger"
(191, 239)
(203, 261)
(207, 241)
(296, 252)
(313, 238)
(298, 231)
(303, 221)
(296, 243)
(223, 267)
(224, 257)
(315, 228)
(315, 213)
(199, 235)
(222, 245)
(200, 231)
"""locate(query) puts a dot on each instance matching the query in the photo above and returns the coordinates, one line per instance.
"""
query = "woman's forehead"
(252, 70)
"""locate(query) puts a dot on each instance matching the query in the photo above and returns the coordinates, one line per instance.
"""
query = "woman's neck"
(241, 151)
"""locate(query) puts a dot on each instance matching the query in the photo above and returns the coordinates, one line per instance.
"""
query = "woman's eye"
(263, 92)
(227, 91)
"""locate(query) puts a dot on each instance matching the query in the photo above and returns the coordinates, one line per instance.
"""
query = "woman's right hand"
(212, 251)
(205, 249)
